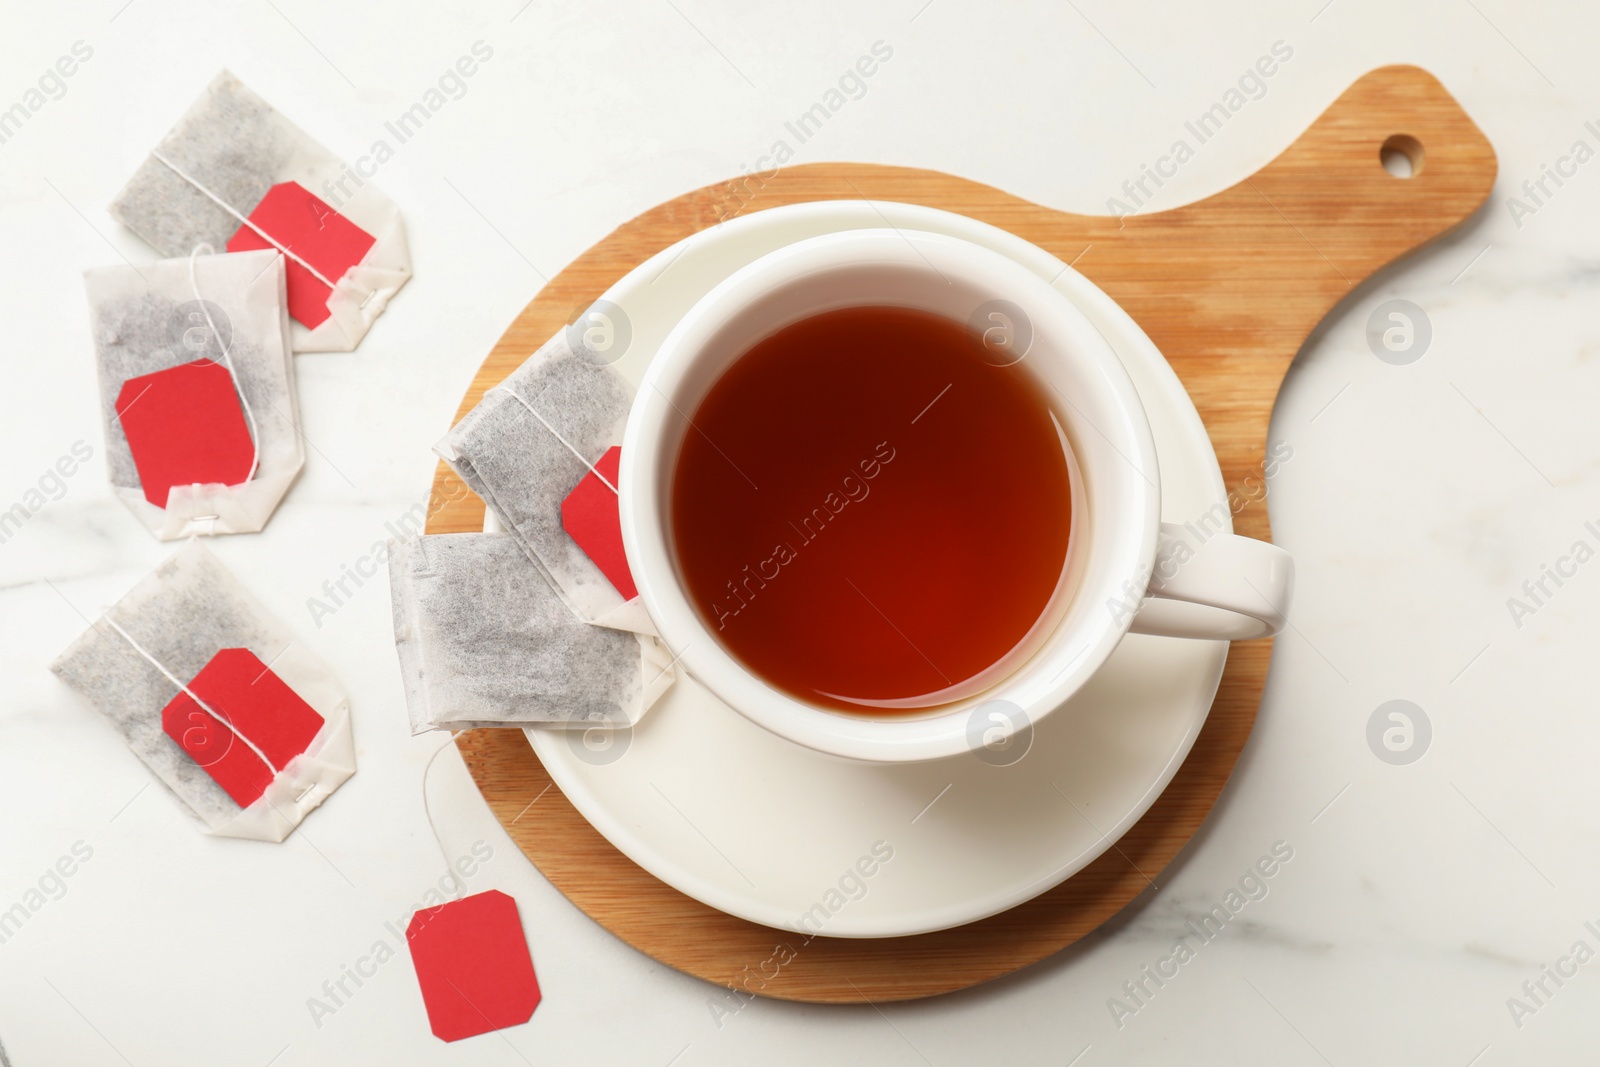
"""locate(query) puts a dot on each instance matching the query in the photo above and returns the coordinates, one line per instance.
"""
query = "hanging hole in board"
(1402, 156)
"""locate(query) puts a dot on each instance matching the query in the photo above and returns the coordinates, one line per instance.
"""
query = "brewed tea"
(869, 512)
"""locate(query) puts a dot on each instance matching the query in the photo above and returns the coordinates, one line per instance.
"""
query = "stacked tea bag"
(542, 624)
(239, 721)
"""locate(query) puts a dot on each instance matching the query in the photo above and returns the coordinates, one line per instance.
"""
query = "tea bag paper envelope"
(147, 323)
(526, 447)
(484, 641)
(235, 175)
(170, 637)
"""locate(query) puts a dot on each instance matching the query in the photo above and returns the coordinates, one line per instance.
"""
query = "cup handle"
(1215, 585)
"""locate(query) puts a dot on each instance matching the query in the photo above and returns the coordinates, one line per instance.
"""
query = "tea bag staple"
(227, 309)
(235, 173)
(148, 648)
(484, 641)
(523, 449)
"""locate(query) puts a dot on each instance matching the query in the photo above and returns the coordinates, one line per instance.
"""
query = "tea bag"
(197, 390)
(538, 448)
(217, 698)
(235, 175)
(484, 641)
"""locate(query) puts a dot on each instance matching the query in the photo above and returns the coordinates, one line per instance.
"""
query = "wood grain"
(1228, 288)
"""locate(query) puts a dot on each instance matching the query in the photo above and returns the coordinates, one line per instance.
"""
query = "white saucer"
(763, 829)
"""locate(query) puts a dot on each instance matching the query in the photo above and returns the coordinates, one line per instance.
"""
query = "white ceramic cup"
(1125, 569)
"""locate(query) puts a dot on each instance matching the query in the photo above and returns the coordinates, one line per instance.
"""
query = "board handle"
(1332, 187)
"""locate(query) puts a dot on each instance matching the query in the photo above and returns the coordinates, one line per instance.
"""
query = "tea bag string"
(427, 809)
(158, 665)
(224, 205)
(557, 435)
(227, 361)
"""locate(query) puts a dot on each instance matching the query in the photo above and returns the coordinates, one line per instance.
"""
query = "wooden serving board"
(1228, 288)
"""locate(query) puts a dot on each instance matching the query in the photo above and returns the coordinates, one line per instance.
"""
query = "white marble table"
(1420, 897)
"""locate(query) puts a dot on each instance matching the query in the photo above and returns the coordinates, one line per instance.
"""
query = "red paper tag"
(473, 965)
(185, 427)
(590, 517)
(243, 690)
(312, 230)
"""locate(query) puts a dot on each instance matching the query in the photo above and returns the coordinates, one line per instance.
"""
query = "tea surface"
(868, 511)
